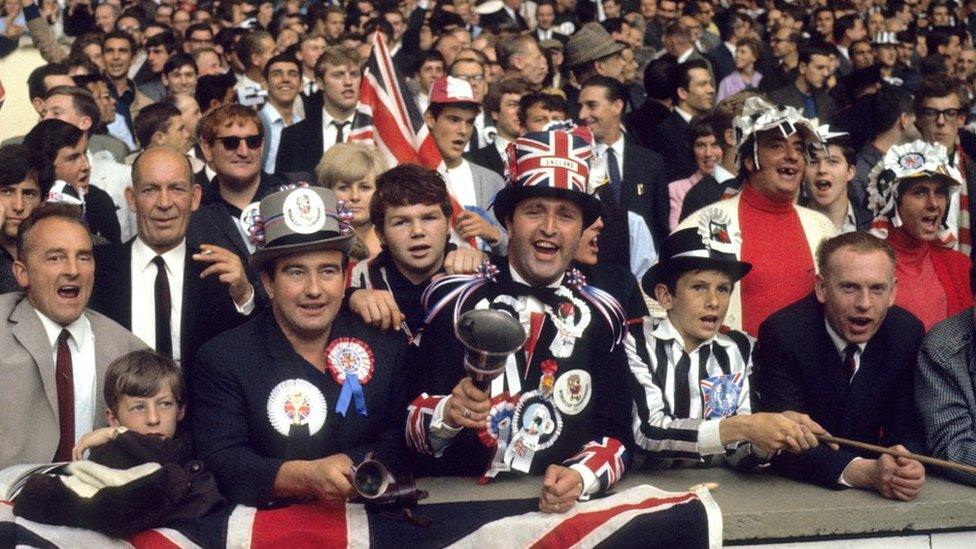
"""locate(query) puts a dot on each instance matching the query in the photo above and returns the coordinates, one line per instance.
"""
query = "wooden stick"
(882, 450)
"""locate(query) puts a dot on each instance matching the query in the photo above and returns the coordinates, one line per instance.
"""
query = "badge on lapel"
(350, 361)
(721, 395)
(296, 403)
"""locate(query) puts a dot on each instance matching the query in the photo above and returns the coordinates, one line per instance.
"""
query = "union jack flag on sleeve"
(420, 413)
(604, 458)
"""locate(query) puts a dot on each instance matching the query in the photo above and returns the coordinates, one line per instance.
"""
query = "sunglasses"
(232, 142)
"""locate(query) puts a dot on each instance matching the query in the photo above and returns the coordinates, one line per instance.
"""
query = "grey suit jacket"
(29, 428)
(486, 185)
(944, 391)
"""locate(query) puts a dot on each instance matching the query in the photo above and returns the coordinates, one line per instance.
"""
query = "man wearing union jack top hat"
(556, 409)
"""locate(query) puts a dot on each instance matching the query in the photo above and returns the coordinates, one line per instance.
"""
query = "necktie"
(613, 170)
(682, 396)
(164, 337)
(66, 399)
(340, 130)
(850, 362)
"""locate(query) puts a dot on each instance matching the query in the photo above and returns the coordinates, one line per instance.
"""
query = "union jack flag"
(382, 98)
(419, 414)
(605, 457)
(555, 159)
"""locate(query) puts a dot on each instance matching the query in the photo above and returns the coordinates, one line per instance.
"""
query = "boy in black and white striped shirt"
(690, 379)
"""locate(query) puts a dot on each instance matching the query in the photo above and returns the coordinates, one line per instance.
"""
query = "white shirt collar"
(78, 329)
(516, 277)
(272, 113)
(684, 116)
(731, 47)
(502, 145)
(684, 56)
(143, 255)
(839, 342)
(721, 174)
(327, 119)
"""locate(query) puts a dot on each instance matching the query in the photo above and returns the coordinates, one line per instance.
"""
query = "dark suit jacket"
(791, 95)
(708, 191)
(488, 157)
(670, 140)
(645, 191)
(301, 145)
(642, 122)
(798, 368)
(100, 213)
(207, 308)
(722, 60)
(562, 38)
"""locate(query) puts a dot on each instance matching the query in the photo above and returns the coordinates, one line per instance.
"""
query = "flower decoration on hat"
(715, 229)
(255, 233)
(758, 115)
(903, 162)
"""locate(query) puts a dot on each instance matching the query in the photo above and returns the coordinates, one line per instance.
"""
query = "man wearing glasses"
(232, 141)
(940, 112)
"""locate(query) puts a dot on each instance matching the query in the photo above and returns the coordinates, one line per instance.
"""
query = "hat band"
(295, 238)
(706, 254)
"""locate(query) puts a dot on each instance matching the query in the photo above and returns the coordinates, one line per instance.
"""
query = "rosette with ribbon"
(351, 363)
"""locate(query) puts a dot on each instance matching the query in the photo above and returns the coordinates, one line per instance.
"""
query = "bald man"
(173, 298)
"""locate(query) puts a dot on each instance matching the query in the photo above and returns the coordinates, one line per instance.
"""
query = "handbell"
(489, 337)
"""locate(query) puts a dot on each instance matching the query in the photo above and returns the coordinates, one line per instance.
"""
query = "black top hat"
(709, 246)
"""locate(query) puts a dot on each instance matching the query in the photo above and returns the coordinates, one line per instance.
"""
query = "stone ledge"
(763, 507)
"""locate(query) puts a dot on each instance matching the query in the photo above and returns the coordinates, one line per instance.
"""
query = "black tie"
(682, 396)
(850, 362)
(340, 130)
(164, 337)
(613, 171)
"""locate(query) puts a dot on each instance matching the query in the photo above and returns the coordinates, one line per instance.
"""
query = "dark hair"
(510, 46)
(726, 23)
(888, 105)
(670, 278)
(682, 75)
(178, 61)
(213, 87)
(141, 374)
(861, 242)
(612, 87)
(35, 82)
(197, 27)
(381, 24)
(614, 24)
(46, 139)
(281, 58)
(429, 55)
(151, 119)
(659, 77)
(61, 210)
(165, 39)
(809, 50)
(121, 35)
(844, 24)
(250, 44)
(85, 40)
(80, 60)
(16, 165)
(549, 102)
(83, 102)
(939, 85)
(503, 86)
(714, 122)
(938, 36)
(406, 185)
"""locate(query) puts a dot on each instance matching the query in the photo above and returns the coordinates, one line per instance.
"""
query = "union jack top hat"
(552, 164)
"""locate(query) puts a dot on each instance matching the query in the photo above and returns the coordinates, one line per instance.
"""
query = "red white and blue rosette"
(351, 363)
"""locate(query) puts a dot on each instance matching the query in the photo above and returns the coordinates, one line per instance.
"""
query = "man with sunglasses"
(232, 141)
(940, 111)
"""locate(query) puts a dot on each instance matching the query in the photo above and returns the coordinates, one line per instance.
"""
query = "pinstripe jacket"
(944, 391)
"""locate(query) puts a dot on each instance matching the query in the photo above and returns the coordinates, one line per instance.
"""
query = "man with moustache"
(846, 356)
(55, 351)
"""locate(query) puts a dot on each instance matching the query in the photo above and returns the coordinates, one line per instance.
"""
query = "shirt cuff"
(248, 306)
(590, 483)
(840, 479)
(438, 427)
(709, 438)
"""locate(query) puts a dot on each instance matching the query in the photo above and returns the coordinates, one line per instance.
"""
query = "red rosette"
(346, 355)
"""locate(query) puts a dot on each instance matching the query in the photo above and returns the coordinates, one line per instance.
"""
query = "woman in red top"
(912, 186)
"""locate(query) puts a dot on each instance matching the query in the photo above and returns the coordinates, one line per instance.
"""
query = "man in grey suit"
(55, 352)
(450, 119)
(944, 389)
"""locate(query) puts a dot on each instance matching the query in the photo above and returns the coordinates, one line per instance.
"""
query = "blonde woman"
(350, 170)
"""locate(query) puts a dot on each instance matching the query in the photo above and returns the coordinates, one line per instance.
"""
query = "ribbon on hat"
(609, 308)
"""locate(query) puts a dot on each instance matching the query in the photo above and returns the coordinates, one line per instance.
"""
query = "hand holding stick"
(882, 450)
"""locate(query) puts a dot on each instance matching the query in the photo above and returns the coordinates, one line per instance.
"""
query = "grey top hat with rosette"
(300, 219)
(712, 245)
